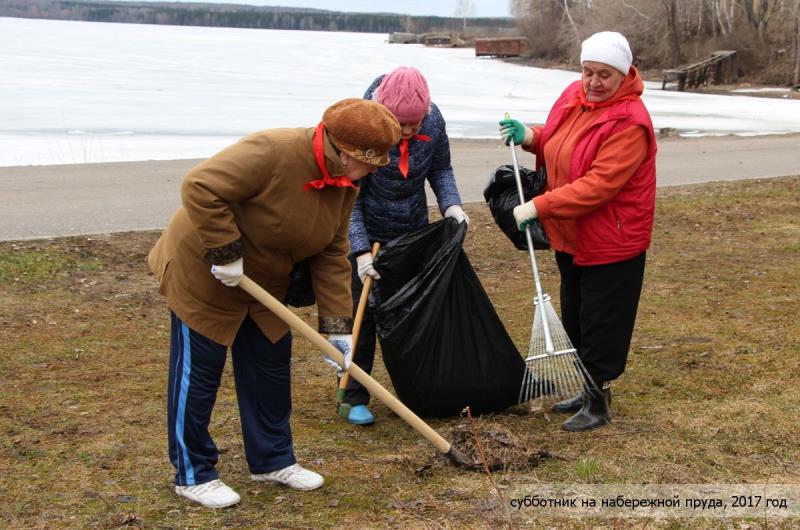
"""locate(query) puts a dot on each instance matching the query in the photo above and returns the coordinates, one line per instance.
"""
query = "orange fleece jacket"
(570, 197)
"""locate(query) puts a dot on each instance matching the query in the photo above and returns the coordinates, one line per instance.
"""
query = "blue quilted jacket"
(389, 205)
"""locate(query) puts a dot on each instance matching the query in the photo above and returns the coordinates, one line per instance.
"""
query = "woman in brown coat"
(273, 199)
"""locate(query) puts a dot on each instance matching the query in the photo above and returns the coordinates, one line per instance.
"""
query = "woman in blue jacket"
(392, 202)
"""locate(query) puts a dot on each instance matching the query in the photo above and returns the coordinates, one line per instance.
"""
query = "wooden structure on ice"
(718, 68)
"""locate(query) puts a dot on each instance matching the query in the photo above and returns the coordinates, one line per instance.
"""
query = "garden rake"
(553, 369)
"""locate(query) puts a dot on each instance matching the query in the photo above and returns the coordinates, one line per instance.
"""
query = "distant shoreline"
(243, 16)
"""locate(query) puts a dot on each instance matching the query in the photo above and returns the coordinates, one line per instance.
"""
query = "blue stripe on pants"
(195, 370)
(184, 392)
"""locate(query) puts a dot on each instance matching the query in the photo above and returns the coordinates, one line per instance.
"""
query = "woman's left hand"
(524, 214)
(456, 212)
(343, 343)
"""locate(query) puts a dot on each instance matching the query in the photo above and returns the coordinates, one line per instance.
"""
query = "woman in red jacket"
(599, 148)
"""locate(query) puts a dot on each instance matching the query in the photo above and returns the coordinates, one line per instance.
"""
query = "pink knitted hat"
(404, 91)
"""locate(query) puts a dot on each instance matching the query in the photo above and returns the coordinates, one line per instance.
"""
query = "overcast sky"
(442, 8)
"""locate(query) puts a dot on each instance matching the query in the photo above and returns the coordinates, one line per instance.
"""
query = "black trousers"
(598, 310)
(364, 356)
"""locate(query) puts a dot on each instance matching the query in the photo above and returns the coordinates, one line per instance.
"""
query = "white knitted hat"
(608, 47)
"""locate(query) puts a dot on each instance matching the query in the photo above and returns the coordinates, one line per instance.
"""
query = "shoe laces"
(207, 487)
(288, 472)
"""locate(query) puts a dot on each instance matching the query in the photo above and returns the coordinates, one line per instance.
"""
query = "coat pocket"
(619, 224)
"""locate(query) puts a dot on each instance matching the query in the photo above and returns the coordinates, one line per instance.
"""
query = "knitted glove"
(524, 214)
(229, 274)
(456, 212)
(365, 267)
(343, 343)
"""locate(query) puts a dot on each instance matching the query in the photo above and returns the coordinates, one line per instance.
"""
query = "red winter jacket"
(600, 201)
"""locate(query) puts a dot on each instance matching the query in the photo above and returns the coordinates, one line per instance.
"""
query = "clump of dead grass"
(489, 442)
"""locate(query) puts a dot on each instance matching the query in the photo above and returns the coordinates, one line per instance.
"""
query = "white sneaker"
(213, 494)
(294, 476)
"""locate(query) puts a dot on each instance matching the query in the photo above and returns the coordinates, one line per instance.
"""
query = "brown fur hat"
(364, 129)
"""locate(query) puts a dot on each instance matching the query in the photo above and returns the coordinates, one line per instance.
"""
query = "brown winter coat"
(248, 201)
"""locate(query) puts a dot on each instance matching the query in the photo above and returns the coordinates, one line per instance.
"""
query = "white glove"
(366, 268)
(524, 214)
(343, 343)
(456, 212)
(230, 274)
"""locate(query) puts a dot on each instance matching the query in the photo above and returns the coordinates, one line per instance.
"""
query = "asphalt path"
(84, 199)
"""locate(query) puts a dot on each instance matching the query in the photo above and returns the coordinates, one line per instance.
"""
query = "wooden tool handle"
(362, 306)
(374, 388)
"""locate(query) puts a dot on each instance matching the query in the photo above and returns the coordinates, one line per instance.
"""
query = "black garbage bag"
(502, 196)
(442, 341)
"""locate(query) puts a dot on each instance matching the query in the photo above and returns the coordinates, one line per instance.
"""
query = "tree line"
(238, 16)
(668, 33)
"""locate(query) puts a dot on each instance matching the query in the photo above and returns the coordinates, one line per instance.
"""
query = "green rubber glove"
(512, 130)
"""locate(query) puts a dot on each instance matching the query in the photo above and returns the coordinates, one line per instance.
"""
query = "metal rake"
(553, 370)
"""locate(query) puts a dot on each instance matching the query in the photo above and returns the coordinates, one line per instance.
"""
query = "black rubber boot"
(573, 404)
(594, 412)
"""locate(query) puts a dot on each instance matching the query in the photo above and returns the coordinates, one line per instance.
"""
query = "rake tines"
(556, 372)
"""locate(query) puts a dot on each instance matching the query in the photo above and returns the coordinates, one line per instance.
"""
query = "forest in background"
(244, 16)
(668, 33)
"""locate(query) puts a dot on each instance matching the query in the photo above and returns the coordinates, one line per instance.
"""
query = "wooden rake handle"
(374, 388)
(362, 306)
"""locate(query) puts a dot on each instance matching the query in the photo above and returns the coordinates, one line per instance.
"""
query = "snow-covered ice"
(75, 92)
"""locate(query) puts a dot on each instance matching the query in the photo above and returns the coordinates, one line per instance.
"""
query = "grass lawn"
(710, 394)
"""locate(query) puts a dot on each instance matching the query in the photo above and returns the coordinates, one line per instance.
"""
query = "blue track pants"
(262, 374)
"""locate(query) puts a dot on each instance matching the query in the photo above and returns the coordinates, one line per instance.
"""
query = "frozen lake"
(76, 92)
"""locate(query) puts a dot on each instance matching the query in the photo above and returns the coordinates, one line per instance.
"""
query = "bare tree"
(796, 76)
(572, 22)
(796, 16)
(726, 15)
(464, 10)
(671, 8)
(759, 13)
(637, 11)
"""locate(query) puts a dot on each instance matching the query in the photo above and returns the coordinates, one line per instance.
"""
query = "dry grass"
(710, 395)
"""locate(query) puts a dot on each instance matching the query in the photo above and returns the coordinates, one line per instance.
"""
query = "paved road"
(50, 201)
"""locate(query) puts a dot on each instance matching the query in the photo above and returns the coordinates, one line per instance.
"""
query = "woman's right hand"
(365, 267)
(230, 274)
(514, 130)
